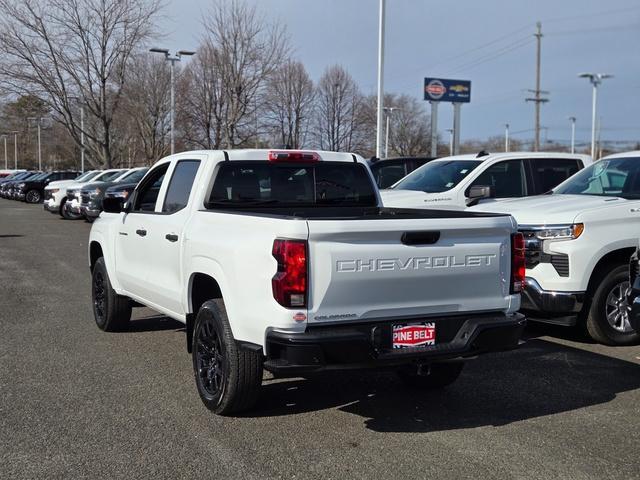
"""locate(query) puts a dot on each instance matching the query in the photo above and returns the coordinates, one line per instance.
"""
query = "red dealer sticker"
(416, 335)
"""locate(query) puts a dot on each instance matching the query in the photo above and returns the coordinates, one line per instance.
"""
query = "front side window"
(147, 194)
(438, 176)
(618, 177)
(318, 184)
(180, 185)
(507, 178)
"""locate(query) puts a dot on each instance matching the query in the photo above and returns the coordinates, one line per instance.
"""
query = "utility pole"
(537, 93)
(573, 134)
(389, 111)
(450, 130)
(381, 21)
(506, 137)
(82, 138)
(38, 120)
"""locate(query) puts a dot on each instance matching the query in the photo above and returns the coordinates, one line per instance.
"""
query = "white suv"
(55, 194)
(465, 180)
(579, 239)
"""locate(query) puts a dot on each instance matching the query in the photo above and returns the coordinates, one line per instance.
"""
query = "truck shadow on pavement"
(541, 378)
(153, 323)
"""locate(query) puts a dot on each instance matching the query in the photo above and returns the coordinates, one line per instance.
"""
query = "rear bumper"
(368, 345)
(560, 308)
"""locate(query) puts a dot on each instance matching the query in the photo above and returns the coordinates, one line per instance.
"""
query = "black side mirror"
(113, 204)
(479, 192)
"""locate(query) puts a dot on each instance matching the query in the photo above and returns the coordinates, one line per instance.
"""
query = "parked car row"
(69, 193)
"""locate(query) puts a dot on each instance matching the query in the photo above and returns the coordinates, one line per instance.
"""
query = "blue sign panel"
(447, 90)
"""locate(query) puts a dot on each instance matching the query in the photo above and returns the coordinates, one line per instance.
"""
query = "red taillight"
(290, 282)
(518, 265)
(293, 156)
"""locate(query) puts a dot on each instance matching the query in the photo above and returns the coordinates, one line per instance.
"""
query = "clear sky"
(489, 42)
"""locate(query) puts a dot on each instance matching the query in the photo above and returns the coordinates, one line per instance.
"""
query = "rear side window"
(279, 184)
(387, 175)
(549, 172)
(180, 185)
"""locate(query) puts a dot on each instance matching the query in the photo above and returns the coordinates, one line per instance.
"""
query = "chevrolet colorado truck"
(466, 180)
(579, 238)
(286, 261)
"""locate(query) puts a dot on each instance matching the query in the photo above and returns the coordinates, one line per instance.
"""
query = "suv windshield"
(437, 176)
(87, 176)
(281, 184)
(132, 177)
(106, 176)
(617, 177)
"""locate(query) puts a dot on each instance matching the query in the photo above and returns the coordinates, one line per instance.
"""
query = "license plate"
(414, 335)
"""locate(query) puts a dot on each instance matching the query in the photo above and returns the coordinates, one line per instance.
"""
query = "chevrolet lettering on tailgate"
(414, 263)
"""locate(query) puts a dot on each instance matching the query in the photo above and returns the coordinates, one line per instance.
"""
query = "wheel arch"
(201, 288)
(95, 252)
(611, 259)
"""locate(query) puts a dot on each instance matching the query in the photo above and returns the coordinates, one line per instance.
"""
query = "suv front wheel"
(608, 316)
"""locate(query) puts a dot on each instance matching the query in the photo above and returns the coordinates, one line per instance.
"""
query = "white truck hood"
(548, 209)
(417, 199)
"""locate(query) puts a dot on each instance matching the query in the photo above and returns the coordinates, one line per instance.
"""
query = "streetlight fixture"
(389, 111)
(573, 134)
(595, 79)
(172, 59)
(38, 120)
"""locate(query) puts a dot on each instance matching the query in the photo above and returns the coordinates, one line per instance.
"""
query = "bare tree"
(71, 52)
(409, 127)
(146, 105)
(202, 101)
(338, 107)
(289, 103)
(246, 51)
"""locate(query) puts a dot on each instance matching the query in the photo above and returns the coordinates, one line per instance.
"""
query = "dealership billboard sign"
(447, 90)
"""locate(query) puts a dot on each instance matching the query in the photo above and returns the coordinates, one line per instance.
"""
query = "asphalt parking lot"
(80, 403)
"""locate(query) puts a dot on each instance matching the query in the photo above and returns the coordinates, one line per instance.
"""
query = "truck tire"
(61, 209)
(607, 319)
(112, 312)
(33, 196)
(228, 378)
(430, 377)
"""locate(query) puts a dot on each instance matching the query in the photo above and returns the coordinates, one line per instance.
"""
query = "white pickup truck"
(579, 239)
(284, 260)
(464, 180)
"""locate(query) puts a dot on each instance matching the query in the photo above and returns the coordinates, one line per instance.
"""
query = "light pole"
(38, 120)
(6, 160)
(172, 60)
(450, 130)
(573, 134)
(595, 79)
(15, 149)
(506, 137)
(389, 111)
(381, 21)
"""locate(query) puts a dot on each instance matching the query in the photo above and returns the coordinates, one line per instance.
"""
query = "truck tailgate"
(408, 268)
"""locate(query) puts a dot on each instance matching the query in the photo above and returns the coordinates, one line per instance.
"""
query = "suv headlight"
(560, 232)
(95, 193)
(54, 190)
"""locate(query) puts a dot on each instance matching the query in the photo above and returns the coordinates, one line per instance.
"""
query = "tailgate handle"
(420, 238)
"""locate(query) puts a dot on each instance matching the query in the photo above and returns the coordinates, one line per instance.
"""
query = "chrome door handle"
(634, 210)
(172, 237)
(142, 232)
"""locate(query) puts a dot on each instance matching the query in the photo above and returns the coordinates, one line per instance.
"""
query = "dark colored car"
(633, 293)
(7, 187)
(92, 194)
(387, 171)
(32, 190)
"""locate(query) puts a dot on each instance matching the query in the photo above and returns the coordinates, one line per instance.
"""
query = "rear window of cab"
(242, 183)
